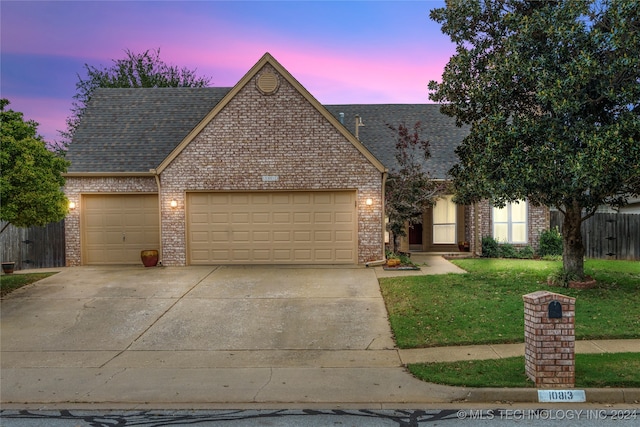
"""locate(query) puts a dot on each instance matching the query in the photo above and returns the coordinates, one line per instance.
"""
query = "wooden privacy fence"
(33, 247)
(608, 235)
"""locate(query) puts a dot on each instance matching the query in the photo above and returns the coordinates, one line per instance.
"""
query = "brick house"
(446, 224)
(257, 173)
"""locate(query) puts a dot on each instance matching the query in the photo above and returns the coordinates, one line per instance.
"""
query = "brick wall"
(252, 136)
(280, 134)
(480, 217)
(76, 186)
(549, 342)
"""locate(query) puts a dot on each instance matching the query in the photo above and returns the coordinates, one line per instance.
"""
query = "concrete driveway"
(166, 336)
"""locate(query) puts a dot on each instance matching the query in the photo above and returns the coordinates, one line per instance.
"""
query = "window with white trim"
(510, 223)
(444, 221)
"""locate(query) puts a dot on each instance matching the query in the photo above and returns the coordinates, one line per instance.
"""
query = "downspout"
(157, 177)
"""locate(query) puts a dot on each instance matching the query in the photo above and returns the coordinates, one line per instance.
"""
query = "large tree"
(551, 90)
(144, 69)
(409, 188)
(30, 175)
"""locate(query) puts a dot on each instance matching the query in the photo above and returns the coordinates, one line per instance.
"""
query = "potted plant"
(7, 267)
(463, 246)
(149, 257)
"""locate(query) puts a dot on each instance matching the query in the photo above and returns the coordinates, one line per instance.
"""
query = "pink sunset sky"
(343, 52)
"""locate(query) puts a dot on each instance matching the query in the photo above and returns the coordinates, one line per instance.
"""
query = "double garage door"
(318, 227)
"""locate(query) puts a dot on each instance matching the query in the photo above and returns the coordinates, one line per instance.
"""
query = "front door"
(415, 237)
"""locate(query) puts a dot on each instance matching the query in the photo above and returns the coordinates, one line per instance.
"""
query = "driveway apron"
(186, 335)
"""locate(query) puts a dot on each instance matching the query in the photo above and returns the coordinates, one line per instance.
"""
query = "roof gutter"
(106, 174)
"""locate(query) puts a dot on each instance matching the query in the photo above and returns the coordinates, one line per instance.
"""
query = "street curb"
(526, 395)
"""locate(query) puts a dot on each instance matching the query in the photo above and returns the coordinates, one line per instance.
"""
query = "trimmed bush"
(526, 252)
(490, 247)
(550, 242)
(507, 250)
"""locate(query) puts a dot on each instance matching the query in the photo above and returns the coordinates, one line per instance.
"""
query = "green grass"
(11, 282)
(485, 305)
(592, 370)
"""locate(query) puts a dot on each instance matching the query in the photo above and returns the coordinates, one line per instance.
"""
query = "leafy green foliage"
(507, 250)
(561, 277)
(31, 181)
(490, 248)
(145, 69)
(409, 190)
(525, 252)
(551, 92)
(550, 242)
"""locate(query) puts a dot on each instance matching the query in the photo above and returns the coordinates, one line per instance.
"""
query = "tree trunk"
(573, 248)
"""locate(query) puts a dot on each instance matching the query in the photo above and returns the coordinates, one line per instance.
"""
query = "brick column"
(549, 340)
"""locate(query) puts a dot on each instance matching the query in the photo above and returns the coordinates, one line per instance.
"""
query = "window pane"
(444, 211)
(501, 214)
(444, 233)
(501, 232)
(519, 212)
(519, 233)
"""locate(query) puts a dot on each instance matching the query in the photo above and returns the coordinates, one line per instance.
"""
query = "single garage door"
(317, 227)
(115, 228)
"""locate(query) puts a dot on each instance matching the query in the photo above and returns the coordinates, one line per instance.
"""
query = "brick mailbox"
(549, 335)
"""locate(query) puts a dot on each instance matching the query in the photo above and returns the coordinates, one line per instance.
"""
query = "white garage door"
(280, 227)
(115, 228)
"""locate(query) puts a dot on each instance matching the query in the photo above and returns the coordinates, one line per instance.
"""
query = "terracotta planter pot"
(149, 258)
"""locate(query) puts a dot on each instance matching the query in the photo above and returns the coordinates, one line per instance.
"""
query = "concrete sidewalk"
(501, 351)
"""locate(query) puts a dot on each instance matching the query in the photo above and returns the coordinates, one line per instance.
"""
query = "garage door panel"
(302, 237)
(240, 218)
(281, 217)
(220, 236)
(116, 227)
(261, 236)
(343, 236)
(297, 227)
(322, 236)
(280, 199)
(260, 218)
(323, 198)
(302, 218)
(344, 217)
(240, 199)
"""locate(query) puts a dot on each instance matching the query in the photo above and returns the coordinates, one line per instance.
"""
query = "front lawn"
(485, 305)
(11, 282)
(592, 370)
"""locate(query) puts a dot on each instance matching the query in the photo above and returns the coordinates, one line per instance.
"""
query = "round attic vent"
(267, 83)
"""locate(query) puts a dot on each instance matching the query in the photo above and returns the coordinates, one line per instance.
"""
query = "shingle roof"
(134, 130)
(440, 130)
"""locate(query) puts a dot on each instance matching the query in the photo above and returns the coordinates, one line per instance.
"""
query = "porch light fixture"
(368, 202)
(173, 204)
(72, 205)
